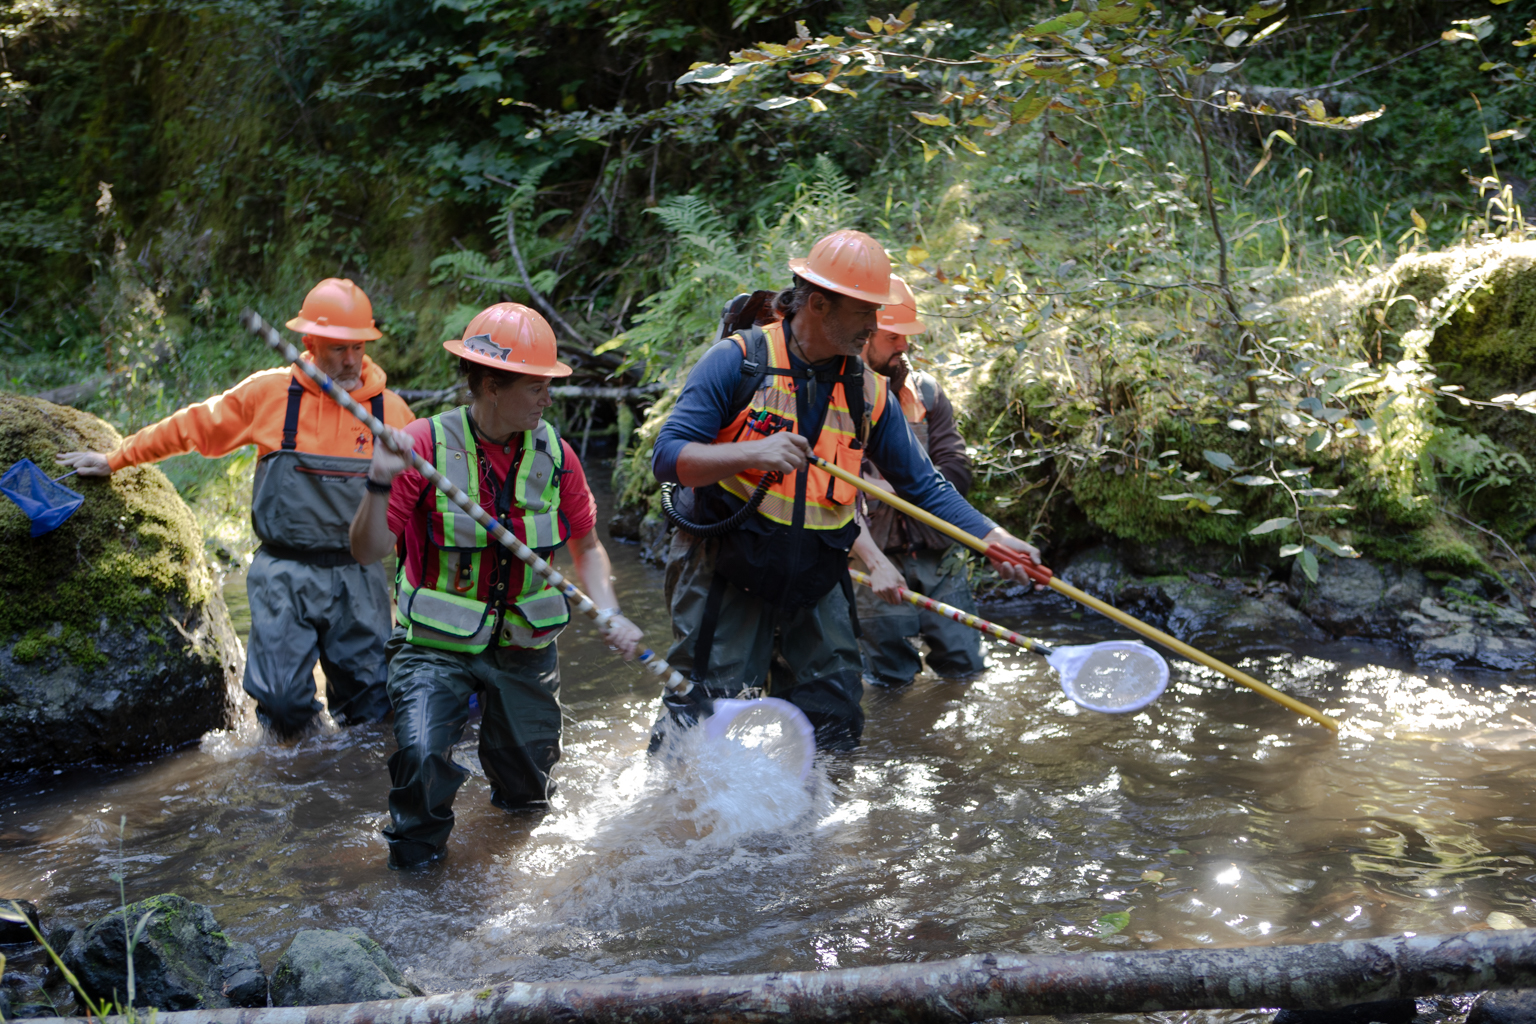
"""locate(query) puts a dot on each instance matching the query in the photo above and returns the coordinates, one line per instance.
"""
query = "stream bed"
(985, 815)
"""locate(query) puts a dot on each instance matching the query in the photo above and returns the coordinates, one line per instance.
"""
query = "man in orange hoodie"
(309, 598)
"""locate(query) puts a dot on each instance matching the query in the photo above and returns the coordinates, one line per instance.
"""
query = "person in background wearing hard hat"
(472, 617)
(777, 583)
(309, 598)
(897, 550)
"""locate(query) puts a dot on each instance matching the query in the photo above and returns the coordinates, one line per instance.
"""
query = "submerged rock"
(1515, 1006)
(321, 968)
(1471, 650)
(114, 642)
(181, 962)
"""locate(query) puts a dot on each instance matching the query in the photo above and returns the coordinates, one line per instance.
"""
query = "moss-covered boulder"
(1480, 303)
(182, 961)
(114, 641)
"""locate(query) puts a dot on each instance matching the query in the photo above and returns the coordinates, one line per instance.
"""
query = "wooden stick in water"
(670, 678)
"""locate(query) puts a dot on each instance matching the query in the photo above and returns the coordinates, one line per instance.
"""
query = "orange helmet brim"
(334, 331)
(801, 267)
(557, 369)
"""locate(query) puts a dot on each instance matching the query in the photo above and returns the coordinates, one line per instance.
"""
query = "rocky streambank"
(182, 960)
(1443, 621)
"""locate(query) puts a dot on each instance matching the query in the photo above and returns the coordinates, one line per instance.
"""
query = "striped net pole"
(949, 611)
(675, 684)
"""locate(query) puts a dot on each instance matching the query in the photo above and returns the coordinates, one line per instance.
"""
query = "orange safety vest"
(829, 502)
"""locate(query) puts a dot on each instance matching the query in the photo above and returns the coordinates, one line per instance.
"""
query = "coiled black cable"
(723, 526)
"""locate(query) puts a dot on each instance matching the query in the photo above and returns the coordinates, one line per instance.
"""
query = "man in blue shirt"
(759, 591)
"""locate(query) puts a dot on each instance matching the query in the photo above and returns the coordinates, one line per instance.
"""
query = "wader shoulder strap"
(754, 369)
(704, 640)
(376, 406)
(291, 420)
(928, 389)
(853, 605)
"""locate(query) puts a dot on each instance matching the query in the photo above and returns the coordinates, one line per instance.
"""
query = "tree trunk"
(975, 988)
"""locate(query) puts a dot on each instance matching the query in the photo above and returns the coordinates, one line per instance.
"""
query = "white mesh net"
(1116, 676)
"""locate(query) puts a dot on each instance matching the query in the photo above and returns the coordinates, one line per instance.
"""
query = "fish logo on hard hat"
(338, 309)
(510, 336)
(483, 345)
(850, 263)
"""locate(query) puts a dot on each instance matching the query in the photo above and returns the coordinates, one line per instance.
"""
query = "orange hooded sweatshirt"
(252, 412)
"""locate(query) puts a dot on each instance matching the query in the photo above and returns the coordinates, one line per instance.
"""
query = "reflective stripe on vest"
(443, 612)
(829, 502)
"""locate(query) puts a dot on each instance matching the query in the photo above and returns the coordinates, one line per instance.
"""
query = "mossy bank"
(114, 641)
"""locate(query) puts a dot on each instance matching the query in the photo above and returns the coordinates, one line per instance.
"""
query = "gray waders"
(954, 649)
(310, 600)
(807, 656)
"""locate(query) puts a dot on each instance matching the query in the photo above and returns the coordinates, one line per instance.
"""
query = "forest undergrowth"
(1193, 275)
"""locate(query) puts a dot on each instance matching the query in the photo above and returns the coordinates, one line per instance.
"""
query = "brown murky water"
(988, 815)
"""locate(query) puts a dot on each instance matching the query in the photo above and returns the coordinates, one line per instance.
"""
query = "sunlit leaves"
(1062, 23)
(1271, 525)
(937, 120)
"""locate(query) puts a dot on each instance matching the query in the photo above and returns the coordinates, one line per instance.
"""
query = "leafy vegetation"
(1190, 273)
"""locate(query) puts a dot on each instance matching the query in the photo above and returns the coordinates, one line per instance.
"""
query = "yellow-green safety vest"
(444, 612)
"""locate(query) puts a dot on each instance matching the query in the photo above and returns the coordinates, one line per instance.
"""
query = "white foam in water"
(710, 813)
(1116, 677)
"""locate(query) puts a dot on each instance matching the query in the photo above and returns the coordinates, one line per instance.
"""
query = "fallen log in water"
(975, 988)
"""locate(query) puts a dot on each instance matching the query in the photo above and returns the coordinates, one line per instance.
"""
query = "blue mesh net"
(44, 501)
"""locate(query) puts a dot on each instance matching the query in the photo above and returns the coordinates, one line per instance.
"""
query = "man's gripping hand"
(784, 452)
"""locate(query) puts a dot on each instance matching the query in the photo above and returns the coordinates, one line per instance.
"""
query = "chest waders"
(786, 565)
(444, 611)
(302, 504)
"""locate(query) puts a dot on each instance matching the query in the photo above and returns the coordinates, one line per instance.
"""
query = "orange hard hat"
(850, 263)
(336, 308)
(509, 336)
(900, 317)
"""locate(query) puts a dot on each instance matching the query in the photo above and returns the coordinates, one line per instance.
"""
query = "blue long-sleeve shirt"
(704, 408)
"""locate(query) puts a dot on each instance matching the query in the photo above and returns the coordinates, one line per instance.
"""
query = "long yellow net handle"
(1061, 587)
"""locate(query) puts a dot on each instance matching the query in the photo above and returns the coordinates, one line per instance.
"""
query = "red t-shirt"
(413, 499)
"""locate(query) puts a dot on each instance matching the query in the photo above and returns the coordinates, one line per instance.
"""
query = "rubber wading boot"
(405, 855)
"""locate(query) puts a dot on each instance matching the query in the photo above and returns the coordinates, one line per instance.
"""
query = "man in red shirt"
(472, 617)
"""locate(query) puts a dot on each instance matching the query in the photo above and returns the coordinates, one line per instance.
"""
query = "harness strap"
(376, 406)
(705, 644)
(853, 605)
(291, 420)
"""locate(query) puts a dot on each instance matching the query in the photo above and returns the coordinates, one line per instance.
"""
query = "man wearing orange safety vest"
(309, 598)
(769, 587)
(901, 552)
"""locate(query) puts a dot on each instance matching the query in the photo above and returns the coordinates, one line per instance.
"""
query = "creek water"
(991, 814)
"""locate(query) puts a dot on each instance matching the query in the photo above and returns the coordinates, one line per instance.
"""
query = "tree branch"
(522, 269)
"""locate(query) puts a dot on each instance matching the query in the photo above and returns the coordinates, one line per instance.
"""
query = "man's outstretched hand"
(87, 463)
